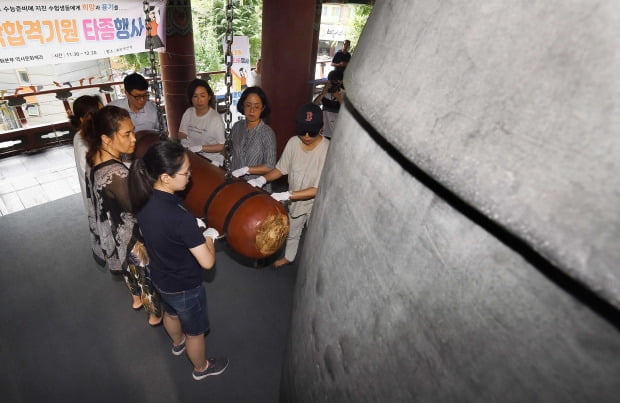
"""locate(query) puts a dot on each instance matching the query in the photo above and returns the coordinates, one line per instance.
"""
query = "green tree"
(135, 61)
(357, 22)
(209, 21)
(209, 28)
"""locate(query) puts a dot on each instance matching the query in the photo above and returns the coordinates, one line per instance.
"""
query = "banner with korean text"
(53, 32)
(240, 69)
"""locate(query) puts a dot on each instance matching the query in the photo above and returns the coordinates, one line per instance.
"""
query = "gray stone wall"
(465, 240)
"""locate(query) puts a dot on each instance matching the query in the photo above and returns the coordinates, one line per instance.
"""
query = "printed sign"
(240, 70)
(53, 32)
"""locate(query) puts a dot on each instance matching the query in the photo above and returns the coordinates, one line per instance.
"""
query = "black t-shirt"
(340, 56)
(330, 105)
(169, 231)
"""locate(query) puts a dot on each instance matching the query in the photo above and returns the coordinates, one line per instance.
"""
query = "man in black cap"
(302, 160)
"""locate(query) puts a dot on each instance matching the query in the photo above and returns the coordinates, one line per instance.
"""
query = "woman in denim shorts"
(178, 250)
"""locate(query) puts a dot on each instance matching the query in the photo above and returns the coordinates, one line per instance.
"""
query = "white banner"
(332, 32)
(240, 69)
(52, 32)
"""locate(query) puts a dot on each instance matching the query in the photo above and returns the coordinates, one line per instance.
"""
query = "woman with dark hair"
(81, 107)
(178, 249)
(108, 133)
(254, 142)
(202, 128)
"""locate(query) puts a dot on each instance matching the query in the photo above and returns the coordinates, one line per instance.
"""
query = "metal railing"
(31, 120)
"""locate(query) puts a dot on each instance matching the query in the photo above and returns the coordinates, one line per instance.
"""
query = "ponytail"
(140, 184)
(88, 132)
(104, 121)
(162, 157)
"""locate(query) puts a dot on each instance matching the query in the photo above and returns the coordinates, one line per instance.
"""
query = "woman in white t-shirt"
(82, 106)
(202, 128)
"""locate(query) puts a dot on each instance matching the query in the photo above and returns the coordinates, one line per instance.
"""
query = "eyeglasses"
(188, 173)
(252, 107)
(140, 97)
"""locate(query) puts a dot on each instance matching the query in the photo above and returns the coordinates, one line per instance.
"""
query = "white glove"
(201, 224)
(185, 143)
(211, 233)
(240, 172)
(196, 149)
(258, 182)
(216, 159)
(282, 196)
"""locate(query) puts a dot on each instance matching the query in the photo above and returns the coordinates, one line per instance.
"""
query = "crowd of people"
(139, 228)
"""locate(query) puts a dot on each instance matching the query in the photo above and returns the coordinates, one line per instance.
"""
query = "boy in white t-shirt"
(302, 160)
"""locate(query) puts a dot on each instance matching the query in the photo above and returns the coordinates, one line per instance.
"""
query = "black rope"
(236, 206)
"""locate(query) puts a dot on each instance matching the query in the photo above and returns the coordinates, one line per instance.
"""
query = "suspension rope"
(154, 72)
(228, 81)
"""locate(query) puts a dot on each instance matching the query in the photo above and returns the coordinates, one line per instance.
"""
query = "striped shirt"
(253, 147)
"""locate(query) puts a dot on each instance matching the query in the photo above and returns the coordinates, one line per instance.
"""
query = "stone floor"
(28, 180)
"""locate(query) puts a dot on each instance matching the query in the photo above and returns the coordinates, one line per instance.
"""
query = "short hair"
(191, 88)
(135, 81)
(261, 94)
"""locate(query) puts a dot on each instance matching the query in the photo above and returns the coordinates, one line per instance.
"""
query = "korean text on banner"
(240, 69)
(53, 32)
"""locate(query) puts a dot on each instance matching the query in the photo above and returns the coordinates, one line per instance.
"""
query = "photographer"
(330, 99)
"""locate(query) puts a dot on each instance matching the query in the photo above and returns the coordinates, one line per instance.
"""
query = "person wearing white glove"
(253, 141)
(216, 159)
(302, 160)
(282, 196)
(201, 125)
(211, 233)
(258, 182)
(179, 249)
(241, 172)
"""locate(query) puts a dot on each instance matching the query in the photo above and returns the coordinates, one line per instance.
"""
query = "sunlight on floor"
(29, 180)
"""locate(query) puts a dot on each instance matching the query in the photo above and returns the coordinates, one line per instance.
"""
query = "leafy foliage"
(209, 28)
(135, 61)
(358, 21)
(209, 20)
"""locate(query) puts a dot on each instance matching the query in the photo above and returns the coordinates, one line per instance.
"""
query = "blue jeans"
(191, 308)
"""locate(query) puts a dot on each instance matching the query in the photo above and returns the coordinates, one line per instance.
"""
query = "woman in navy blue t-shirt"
(178, 250)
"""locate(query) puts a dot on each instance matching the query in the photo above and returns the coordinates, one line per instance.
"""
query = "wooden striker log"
(255, 224)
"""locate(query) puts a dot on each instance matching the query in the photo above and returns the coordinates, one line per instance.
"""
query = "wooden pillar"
(289, 48)
(21, 115)
(178, 64)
